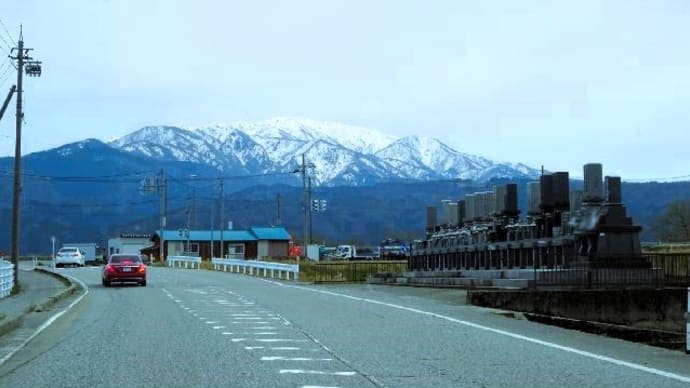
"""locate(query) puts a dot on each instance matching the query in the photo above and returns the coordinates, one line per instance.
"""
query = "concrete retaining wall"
(662, 309)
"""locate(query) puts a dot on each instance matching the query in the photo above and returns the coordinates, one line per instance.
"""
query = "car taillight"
(142, 268)
(110, 268)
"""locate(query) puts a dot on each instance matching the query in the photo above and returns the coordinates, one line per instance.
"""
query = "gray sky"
(558, 83)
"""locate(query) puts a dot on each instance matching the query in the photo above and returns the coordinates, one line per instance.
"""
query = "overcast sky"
(553, 83)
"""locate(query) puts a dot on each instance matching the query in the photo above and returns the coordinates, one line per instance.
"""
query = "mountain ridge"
(340, 153)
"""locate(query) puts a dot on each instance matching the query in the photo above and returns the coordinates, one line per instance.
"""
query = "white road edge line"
(615, 361)
(49, 322)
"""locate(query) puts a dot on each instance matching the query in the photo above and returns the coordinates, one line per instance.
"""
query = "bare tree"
(674, 224)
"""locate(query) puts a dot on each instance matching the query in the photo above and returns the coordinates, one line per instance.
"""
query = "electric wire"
(6, 31)
(7, 47)
(5, 74)
(114, 178)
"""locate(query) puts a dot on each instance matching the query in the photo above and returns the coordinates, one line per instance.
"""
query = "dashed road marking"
(281, 358)
(316, 372)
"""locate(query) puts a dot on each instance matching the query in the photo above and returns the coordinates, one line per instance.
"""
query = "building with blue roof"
(254, 243)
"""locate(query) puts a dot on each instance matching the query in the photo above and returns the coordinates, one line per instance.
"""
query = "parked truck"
(350, 252)
(89, 250)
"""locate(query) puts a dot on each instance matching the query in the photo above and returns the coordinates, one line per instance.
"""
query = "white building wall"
(262, 249)
(127, 245)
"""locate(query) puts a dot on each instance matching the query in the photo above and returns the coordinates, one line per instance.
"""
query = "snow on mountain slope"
(341, 154)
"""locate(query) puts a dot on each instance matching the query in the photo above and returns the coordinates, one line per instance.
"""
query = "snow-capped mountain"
(341, 154)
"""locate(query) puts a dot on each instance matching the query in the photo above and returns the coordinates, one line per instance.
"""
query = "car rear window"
(125, 259)
(68, 250)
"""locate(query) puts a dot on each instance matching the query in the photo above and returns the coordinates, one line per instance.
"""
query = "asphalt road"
(195, 328)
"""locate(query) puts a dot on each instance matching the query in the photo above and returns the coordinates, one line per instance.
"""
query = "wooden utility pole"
(33, 68)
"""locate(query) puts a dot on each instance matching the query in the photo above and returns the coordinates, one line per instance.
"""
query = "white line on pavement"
(49, 321)
(316, 372)
(615, 361)
(281, 358)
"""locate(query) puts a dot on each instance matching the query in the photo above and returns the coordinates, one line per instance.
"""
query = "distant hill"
(89, 191)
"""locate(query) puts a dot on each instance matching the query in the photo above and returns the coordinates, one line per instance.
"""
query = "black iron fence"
(355, 271)
(675, 267)
(651, 271)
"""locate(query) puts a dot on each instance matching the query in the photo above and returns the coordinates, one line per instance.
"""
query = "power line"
(5, 73)
(7, 48)
(86, 179)
(88, 205)
(7, 32)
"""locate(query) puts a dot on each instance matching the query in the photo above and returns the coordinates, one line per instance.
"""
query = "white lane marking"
(253, 322)
(281, 358)
(318, 386)
(279, 340)
(49, 322)
(235, 333)
(263, 328)
(212, 322)
(243, 315)
(615, 361)
(249, 318)
(280, 348)
(218, 327)
(316, 372)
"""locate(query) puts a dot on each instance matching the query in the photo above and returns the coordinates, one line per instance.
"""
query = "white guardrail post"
(257, 268)
(6, 278)
(187, 261)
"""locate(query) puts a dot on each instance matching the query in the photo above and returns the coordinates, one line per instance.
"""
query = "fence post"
(687, 326)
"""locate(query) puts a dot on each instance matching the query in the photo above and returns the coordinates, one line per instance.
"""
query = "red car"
(124, 268)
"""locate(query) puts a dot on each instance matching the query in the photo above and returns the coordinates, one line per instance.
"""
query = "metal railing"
(687, 326)
(675, 267)
(598, 278)
(651, 271)
(186, 261)
(355, 271)
(6, 278)
(257, 268)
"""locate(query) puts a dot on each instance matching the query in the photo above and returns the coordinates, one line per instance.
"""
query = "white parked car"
(71, 256)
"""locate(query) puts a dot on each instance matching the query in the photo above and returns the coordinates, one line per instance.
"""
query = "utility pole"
(213, 221)
(222, 217)
(33, 68)
(162, 189)
(278, 209)
(193, 223)
(311, 229)
(305, 206)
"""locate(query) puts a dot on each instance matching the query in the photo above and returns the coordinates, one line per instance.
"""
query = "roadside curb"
(52, 300)
(11, 323)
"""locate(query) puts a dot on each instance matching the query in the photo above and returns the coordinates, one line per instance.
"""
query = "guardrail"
(6, 278)
(255, 267)
(187, 261)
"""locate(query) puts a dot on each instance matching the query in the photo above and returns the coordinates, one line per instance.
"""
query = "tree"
(674, 224)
